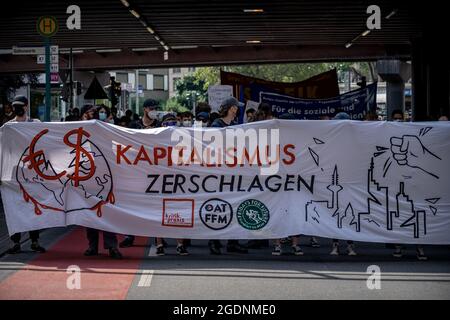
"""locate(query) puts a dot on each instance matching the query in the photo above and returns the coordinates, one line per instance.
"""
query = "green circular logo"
(252, 214)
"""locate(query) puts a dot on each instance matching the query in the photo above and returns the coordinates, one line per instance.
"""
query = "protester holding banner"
(228, 112)
(88, 112)
(335, 244)
(150, 117)
(20, 105)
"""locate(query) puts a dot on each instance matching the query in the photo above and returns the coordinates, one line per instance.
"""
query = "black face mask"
(19, 110)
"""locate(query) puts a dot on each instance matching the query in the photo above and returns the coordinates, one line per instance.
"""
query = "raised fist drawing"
(409, 151)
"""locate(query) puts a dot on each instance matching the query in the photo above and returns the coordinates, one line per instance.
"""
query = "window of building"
(176, 70)
(143, 81)
(191, 69)
(158, 82)
(122, 77)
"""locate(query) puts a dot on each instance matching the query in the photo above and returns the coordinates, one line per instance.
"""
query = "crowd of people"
(204, 117)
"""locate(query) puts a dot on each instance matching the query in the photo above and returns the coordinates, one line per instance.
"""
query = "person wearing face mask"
(169, 120)
(104, 114)
(186, 119)
(228, 112)
(89, 112)
(150, 117)
(202, 119)
(20, 105)
(149, 120)
(8, 114)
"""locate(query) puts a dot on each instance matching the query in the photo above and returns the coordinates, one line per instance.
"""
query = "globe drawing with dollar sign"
(77, 177)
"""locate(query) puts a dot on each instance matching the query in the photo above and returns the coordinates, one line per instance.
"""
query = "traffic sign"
(54, 67)
(27, 50)
(40, 59)
(54, 58)
(54, 77)
(47, 26)
(54, 50)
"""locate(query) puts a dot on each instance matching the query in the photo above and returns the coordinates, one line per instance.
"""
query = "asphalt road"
(257, 275)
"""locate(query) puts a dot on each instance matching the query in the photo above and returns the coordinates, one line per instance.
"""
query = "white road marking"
(152, 251)
(146, 278)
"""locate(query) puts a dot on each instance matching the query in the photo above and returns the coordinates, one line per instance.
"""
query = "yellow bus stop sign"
(47, 26)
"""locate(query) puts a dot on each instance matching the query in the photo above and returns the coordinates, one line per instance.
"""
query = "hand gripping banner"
(351, 180)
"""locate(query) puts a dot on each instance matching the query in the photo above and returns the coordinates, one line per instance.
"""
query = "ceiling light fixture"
(253, 41)
(108, 50)
(365, 33)
(134, 13)
(253, 10)
(125, 3)
(391, 14)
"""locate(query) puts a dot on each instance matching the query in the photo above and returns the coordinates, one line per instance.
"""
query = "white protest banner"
(217, 94)
(364, 181)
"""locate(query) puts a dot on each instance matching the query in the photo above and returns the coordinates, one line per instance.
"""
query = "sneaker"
(276, 251)
(160, 250)
(15, 249)
(182, 251)
(398, 252)
(114, 253)
(297, 250)
(350, 250)
(126, 243)
(421, 254)
(314, 243)
(335, 250)
(91, 252)
(36, 247)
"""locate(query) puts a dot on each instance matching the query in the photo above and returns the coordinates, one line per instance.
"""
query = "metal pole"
(71, 105)
(48, 97)
(136, 81)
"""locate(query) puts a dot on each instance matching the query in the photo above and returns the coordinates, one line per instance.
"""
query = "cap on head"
(151, 104)
(169, 117)
(20, 100)
(228, 103)
(342, 116)
(202, 116)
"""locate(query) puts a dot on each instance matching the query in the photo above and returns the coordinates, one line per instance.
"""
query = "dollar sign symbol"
(79, 151)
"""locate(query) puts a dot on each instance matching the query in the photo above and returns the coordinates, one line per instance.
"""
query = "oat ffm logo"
(78, 178)
(216, 214)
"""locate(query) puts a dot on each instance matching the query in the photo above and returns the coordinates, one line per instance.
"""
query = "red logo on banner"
(91, 184)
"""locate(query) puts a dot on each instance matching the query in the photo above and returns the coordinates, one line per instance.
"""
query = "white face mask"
(153, 114)
(198, 123)
(8, 114)
(187, 123)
